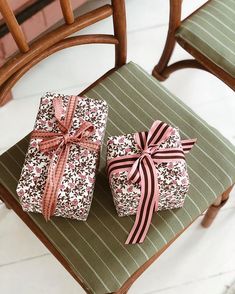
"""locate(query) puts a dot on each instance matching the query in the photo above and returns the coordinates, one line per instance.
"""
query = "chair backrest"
(58, 39)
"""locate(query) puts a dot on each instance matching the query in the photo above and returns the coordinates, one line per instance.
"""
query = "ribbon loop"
(60, 143)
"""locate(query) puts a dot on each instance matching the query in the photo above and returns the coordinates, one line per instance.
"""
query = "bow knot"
(146, 152)
(68, 138)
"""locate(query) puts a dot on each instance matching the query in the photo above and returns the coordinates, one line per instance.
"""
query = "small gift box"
(147, 172)
(58, 175)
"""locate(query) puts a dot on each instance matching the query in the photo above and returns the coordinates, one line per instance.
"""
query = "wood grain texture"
(214, 209)
(208, 64)
(182, 64)
(67, 10)
(48, 40)
(174, 23)
(5, 97)
(68, 42)
(162, 70)
(119, 24)
(13, 26)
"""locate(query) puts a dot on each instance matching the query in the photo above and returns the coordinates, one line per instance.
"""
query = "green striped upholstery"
(95, 249)
(211, 31)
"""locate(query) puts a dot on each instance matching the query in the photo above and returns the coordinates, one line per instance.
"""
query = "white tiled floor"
(201, 261)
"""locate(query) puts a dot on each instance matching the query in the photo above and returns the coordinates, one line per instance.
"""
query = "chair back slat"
(67, 10)
(119, 25)
(13, 26)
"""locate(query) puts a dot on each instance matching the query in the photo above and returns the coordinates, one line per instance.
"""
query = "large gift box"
(147, 173)
(58, 175)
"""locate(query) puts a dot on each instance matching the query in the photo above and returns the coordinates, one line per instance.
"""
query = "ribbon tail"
(188, 144)
(51, 208)
(48, 191)
(147, 204)
(49, 205)
(53, 184)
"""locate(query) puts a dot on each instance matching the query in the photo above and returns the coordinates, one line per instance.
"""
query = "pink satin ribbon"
(59, 143)
(142, 169)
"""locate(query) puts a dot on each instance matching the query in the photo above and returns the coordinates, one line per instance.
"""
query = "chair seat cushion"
(95, 249)
(211, 31)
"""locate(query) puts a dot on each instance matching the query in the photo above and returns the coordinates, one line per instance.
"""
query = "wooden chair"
(93, 252)
(208, 34)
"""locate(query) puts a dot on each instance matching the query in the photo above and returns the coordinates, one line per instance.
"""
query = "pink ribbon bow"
(142, 169)
(59, 143)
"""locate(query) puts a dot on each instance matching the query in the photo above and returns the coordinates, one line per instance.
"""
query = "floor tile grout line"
(24, 260)
(191, 282)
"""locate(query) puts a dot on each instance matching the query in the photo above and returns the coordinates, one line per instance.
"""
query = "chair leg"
(5, 97)
(215, 208)
(159, 70)
(174, 22)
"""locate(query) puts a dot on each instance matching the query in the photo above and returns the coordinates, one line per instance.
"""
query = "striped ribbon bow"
(142, 169)
(59, 143)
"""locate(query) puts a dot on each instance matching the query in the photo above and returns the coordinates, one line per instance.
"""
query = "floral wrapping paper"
(173, 178)
(77, 185)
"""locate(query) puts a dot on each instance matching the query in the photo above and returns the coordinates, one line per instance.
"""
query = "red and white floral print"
(77, 185)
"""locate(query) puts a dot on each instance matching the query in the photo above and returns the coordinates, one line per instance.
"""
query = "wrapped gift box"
(76, 183)
(147, 172)
(173, 180)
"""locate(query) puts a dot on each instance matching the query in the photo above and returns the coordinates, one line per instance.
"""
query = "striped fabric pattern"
(211, 31)
(95, 249)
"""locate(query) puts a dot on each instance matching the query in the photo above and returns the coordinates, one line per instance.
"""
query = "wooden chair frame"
(162, 70)
(59, 39)
(40, 49)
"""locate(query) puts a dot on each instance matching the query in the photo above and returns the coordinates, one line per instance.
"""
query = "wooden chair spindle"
(67, 10)
(13, 26)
